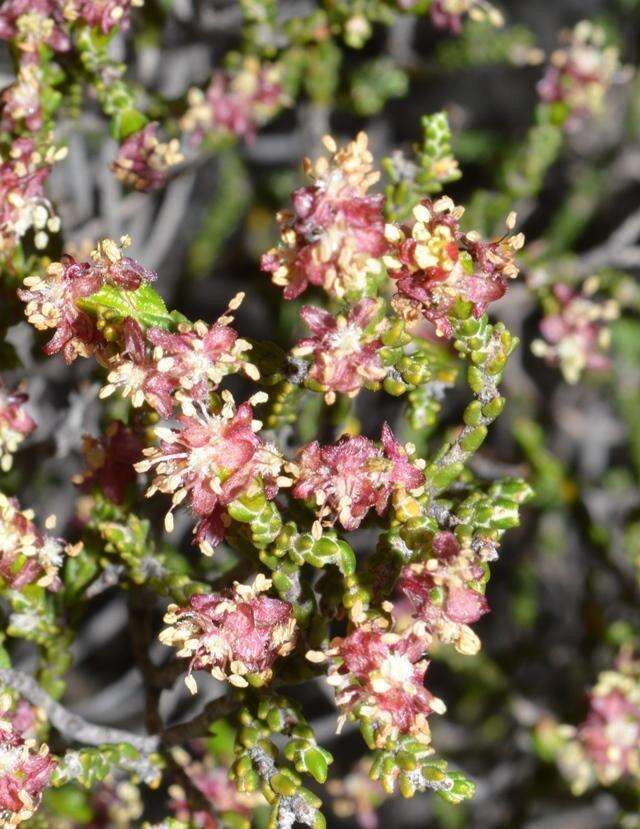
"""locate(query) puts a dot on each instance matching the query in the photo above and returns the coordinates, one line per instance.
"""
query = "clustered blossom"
(576, 335)
(103, 14)
(448, 14)
(435, 264)
(25, 770)
(357, 795)
(109, 461)
(439, 598)
(236, 635)
(52, 299)
(353, 476)
(212, 458)
(236, 102)
(20, 101)
(143, 160)
(345, 350)
(15, 424)
(186, 365)
(30, 23)
(580, 74)
(378, 677)
(606, 746)
(335, 234)
(26, 554)
(23, 204)
(213, 782)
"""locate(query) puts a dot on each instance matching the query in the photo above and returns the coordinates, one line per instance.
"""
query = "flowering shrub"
(292, 489)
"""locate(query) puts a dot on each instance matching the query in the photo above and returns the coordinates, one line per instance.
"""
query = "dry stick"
(70, 725)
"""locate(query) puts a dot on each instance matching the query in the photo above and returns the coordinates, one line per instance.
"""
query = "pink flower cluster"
(33, 22)
(344, 350)
(15, 424)
(439, 598)
(236, 635)
(213, 782)
(23, 204)
(160, 367)
(448, 14)
(26, 554)
(236, 102)
(378, 676)
(576, 335)
(353, 476)
(436, 264)
(20, 101)
(606, 747)
(335, 234)
(143, 160)
(109, 461)
(52, 299)
(101, 14)
(580, 74)
(25, 768)
(211, 458)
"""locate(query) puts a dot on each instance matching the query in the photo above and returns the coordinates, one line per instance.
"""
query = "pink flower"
(336, 230)
(436, 264)
(110, 460)
(143, 161)
(441, 595)
(378, 677)
(345, 350)
(211, 459)
(15, 424)
(580, 74)
(52, 300)
(20, 101)
(135, 374)
(349, 478)
(213, 782)
(32, 23)
(25, 770)
(23, 203)
(447, 14)
(197, 357)
(236, 102)
(236, 635)
(611, 733)
(103, 14)
(575, 336)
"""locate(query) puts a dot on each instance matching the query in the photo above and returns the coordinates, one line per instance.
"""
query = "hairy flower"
(236, 635)
(436, 264)
(143, 161)
(352, 476)
(447, 14)
(103, 14)
(345, 349)
(580, 74)
(23, 204)
(575, 335)
(378, 677)
(26, 555)
(109, 461)
(236, 101)
(213, 782)
(212, 458)
(15, 424)
(336, 230)
(20, 101)
(197, 357)
(30, 23)
(25, 768)
(439, 598)
(135, 374)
